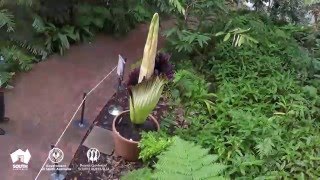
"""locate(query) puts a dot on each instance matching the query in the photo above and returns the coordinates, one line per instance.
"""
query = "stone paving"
(44, 99)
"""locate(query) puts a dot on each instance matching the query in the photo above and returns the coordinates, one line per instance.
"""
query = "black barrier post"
(82, 110)
(82, 123)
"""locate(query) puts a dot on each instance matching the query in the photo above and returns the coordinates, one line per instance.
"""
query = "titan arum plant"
(144, 96)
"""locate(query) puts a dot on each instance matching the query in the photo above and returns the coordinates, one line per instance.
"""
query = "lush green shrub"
(265, 113)
(56, 39)
(192, 90)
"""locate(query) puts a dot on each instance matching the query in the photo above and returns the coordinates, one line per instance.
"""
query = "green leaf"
(251, 39)
(219, 33)
(226, 37)
(144, 97)
(240, 41)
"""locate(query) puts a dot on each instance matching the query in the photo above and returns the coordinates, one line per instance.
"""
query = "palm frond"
(38, 24)
(144, 98)
(36, 48)
(17, 57)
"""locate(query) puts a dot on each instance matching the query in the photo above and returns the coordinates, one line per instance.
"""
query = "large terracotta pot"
(126, 148)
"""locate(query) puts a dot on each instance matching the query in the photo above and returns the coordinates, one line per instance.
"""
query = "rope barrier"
(73, 117)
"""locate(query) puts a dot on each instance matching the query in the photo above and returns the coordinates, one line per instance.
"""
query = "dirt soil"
(127, 130)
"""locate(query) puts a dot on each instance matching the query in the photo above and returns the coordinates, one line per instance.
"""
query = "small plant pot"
(127, 149)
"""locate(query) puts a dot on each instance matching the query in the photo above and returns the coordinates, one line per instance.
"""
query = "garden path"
(44, 99)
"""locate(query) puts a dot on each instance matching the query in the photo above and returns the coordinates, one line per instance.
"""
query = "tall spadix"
(150, 50)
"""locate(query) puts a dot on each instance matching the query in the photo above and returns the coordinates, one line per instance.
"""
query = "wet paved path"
(44, 99)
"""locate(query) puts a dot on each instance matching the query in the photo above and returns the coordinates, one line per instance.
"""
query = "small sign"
(121, 63)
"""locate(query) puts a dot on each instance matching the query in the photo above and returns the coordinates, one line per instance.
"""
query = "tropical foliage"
(39, 28)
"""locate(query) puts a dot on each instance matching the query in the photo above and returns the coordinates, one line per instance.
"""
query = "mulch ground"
(116, 166)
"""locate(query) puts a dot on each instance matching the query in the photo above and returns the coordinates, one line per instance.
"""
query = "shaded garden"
(240, 87)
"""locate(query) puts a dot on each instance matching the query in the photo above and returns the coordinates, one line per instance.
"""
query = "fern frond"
(265, 147)
(6, 19)
(152, 144)
(143, 173)
(185, 160)
(182, 160)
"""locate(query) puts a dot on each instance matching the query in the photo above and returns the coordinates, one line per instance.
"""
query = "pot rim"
(123, 138)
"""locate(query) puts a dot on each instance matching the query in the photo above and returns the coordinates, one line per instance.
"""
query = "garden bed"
(115, 166)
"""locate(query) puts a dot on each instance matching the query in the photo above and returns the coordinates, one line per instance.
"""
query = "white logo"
(20, 159)
(56, 155)
(93, 154)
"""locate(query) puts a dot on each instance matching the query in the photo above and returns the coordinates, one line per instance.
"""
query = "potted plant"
(145, 86)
